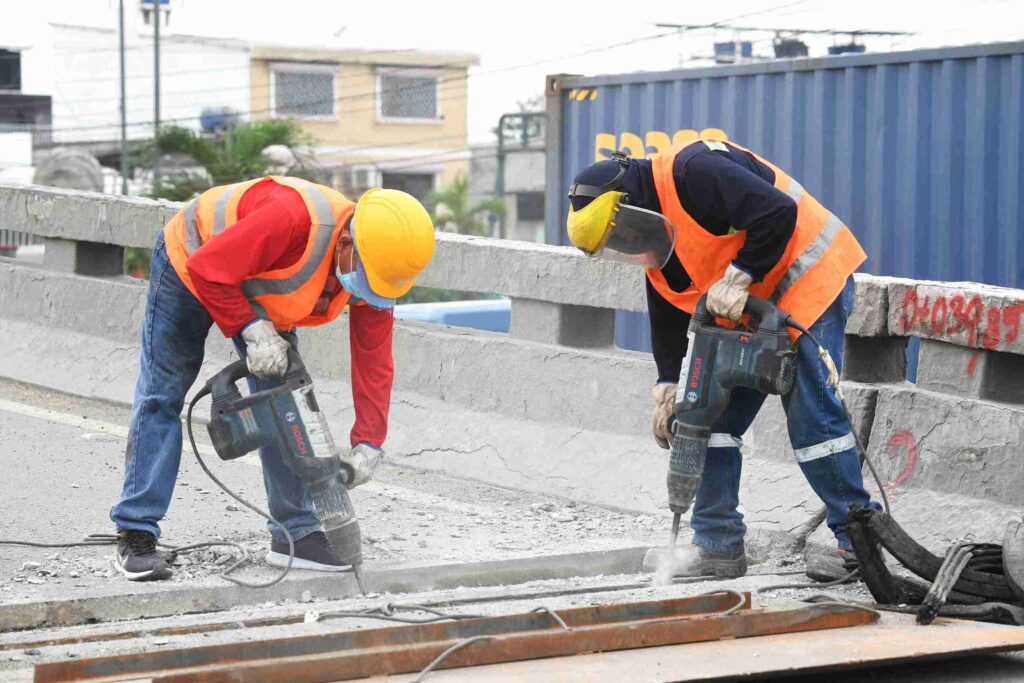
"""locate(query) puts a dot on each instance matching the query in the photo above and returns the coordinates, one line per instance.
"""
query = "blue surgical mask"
(356, 283)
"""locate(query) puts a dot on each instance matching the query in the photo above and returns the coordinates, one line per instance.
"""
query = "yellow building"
(379, 118)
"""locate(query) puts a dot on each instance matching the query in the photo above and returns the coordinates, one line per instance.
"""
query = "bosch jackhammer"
(289, 418)
(720, 360)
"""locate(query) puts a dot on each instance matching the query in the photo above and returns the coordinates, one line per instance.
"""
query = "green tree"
(451, 206)
(230, 155)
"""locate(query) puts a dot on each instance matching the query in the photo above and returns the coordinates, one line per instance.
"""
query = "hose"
(291, 543)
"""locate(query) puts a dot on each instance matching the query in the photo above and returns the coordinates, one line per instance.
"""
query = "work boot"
(311, 552)
(693, 560)
(830, 565)
(137, 557)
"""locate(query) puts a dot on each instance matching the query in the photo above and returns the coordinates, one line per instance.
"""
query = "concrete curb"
(191, 599)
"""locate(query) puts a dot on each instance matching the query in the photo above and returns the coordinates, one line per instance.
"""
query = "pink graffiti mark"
(972, 364)
(904, 438)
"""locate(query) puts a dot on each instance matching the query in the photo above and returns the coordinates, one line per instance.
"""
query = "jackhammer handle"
(770, 316)
(224, 381)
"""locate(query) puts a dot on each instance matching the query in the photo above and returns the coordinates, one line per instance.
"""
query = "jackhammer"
(720, 360)
(288, 417)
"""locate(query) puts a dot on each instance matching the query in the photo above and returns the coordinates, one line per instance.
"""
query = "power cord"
(291, 543)
(111, 539)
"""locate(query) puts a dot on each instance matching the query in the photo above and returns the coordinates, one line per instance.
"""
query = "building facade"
(395, 119)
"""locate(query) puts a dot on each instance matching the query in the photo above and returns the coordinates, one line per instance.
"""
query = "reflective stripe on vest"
(795, 191)
(192, 239)
(220, 209)
(255, 287)
(812, 254)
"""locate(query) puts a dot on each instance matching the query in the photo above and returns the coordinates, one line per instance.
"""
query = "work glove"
(266, 352)
(728, 296)
(664, 406)
(361, 462)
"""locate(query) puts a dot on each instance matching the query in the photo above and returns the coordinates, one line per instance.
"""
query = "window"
(530, 206)
(419, 185)
(306, 91)
(407, 95)
(10, 70)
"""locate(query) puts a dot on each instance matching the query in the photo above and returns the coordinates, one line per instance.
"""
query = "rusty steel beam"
(500, 639)
(339, 666)
(365, 639)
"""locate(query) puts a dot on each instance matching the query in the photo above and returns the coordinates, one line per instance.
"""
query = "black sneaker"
(311, 552)
(832, 565)
(137, 557)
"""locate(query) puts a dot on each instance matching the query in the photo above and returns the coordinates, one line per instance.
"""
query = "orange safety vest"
(821, 255)
(286, 296)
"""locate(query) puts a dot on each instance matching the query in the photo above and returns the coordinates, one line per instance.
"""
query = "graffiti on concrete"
(906, 440)
(991, 327)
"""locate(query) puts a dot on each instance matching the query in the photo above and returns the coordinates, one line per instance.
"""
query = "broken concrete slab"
(950, 444)
(870, 314)
(963, 313)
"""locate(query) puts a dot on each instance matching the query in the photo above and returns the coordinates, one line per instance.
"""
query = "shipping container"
(919, 152)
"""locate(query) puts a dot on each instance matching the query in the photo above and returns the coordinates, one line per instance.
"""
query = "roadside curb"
(186, 600)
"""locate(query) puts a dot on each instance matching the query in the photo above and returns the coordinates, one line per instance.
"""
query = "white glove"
(266, 352)
(728, 296)
(664, 396)
(361, 462)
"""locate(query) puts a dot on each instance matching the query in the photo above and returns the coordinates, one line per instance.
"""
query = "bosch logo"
(691, 397)
(290, 416)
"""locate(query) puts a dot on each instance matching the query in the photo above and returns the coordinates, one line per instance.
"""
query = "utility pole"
(156, 93)
(124, 106)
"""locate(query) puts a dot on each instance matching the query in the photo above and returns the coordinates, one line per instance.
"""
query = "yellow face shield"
(610, 229)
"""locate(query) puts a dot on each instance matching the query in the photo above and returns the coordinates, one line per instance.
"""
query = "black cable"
(291, 543)
(781, 586)
(826, 600)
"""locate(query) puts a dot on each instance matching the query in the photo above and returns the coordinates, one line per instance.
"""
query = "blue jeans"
(173, 336)
(818, 430)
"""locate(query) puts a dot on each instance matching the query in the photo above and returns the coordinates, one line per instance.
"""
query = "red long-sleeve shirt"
(271, 233)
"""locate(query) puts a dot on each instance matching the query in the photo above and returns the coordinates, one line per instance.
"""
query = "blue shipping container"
(920, 153)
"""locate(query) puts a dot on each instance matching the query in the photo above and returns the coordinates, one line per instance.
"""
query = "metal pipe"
(124, 104)
(156, 95)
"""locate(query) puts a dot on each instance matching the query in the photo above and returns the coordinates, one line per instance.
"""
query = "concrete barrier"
(552, 406)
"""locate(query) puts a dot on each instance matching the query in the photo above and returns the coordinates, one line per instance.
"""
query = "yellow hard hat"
(394, 238)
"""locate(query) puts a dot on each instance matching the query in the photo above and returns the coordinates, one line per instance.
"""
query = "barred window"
(408, 95)
(304, 93)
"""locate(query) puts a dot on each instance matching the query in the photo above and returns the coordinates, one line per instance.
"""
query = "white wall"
(194, 74)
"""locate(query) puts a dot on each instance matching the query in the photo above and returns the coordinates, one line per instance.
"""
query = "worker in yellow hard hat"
(261, 258)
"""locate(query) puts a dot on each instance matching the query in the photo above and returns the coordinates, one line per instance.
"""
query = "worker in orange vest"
(259, 259)
(714, 218)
